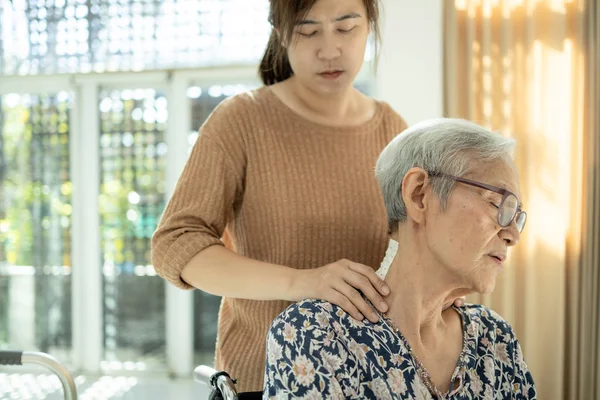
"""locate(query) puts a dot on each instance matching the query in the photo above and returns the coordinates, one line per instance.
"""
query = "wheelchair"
(45, 360)
(222, 386)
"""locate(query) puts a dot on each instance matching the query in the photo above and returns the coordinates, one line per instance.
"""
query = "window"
(132, 198)
(70, 36)
(35, 221)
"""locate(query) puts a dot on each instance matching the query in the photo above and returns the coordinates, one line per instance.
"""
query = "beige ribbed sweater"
(289, 192)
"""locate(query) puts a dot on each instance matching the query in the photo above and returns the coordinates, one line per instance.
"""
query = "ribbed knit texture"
(289, 192)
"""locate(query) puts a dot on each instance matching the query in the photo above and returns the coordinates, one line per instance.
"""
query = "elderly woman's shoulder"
(310, 311)
(486, 318)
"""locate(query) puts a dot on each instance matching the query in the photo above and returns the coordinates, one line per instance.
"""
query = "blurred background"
(100, 104)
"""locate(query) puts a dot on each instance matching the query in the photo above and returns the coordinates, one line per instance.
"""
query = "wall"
(409, 76)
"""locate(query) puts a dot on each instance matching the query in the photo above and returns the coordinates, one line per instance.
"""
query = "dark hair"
(283, 16)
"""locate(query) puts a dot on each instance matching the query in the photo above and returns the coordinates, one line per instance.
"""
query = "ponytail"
(274, 66)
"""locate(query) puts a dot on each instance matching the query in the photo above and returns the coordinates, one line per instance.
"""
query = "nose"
(510, 234)
(329, 47)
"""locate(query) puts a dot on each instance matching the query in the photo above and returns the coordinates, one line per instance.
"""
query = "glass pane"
(132, 156)
(35, 224)
(59, 36)
(206, 306)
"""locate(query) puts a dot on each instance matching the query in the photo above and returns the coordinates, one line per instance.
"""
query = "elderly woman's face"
(466, 236)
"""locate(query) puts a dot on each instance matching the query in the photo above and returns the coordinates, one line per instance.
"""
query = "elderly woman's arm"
(523, 385)
(303, 356)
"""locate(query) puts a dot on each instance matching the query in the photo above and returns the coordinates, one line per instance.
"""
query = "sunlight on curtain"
(519, 67)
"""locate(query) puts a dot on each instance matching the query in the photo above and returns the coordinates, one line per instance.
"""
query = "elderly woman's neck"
(420, 289)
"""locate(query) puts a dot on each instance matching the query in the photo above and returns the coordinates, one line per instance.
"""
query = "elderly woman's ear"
(416, 194)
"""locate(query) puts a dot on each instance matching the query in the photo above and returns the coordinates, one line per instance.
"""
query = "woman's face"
(327, 48)
(465, 237)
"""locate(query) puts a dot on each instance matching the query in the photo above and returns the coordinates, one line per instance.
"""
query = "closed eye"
(494, 205)
(346, 30)
(311, 34)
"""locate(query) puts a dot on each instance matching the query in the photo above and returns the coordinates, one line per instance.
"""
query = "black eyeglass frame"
(505, 194)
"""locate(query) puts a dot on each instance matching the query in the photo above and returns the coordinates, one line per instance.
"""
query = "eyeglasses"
(509, 209)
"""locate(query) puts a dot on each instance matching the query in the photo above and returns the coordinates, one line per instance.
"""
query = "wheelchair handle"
(216, 380)
(45, 360)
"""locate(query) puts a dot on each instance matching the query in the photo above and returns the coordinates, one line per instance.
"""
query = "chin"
(488, 289)
(484, 282)
(483, 278)
(333, 89)
(486, 286)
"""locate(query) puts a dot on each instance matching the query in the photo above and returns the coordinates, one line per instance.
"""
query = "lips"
(331, 71)
(331, 74)
(500, 257)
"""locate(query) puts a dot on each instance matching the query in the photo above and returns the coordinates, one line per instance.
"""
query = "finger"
(357, 282)
(342, 301)
(365, 285)
(370, 274)
(357, 301)
(459, 302)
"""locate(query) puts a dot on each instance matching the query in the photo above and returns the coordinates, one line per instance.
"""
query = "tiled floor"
(27, 386)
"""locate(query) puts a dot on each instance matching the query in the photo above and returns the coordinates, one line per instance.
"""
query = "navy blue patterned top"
(316, 350)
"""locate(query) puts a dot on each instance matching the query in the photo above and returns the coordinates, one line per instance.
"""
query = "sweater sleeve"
(203, 200)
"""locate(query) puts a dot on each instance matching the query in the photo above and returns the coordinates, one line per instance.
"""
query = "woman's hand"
(339, 283)
(458, 302)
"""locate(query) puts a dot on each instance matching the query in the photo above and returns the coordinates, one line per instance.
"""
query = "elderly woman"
(451, 192)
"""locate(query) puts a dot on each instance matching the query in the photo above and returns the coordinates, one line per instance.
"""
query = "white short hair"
(444, 145)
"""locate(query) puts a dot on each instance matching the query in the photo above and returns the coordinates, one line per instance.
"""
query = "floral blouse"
(316, 350)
